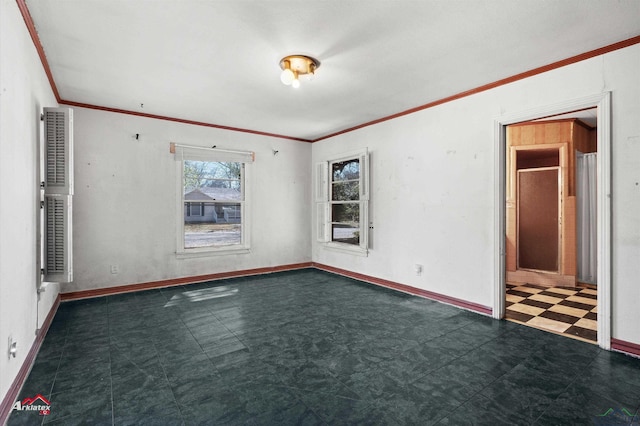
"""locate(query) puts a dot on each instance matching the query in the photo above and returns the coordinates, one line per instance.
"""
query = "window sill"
(347, 248)
(195, 253)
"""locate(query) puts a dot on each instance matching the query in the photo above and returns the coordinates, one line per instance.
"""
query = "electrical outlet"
(418, 268)
(115, 269)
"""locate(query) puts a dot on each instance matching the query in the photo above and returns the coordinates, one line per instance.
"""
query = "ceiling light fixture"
(294, 66)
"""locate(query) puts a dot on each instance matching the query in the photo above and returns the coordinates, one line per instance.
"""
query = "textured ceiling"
(217, 61)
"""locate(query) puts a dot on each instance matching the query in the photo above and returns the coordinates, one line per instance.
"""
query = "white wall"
(433, 179)
(24, 90)
(125, 200)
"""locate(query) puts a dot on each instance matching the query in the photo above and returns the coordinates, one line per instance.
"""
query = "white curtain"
(586, 217)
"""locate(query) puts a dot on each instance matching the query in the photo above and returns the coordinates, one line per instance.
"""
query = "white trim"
(603, 188)
(362, 249)
(207, 252)
(500, 197)
(602, 102)
(346, 248)
(322, 225)
(348, 156)
(321, 182)
(196, 152)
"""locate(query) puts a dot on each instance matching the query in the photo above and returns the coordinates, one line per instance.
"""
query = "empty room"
(319, 212)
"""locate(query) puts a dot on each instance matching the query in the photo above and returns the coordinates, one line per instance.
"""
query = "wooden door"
(549, 261)
(538, 217)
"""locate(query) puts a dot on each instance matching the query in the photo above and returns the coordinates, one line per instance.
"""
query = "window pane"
(194, 209)
(210, 174)
(346, 213)
(345, 234)
(219, 225)
(212, 204)
(345, 170)
(345, 191)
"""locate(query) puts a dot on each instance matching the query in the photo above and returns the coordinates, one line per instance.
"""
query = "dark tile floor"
(308, 347)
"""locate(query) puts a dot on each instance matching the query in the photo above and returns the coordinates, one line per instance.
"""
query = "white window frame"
(194, 153)
(324, 203)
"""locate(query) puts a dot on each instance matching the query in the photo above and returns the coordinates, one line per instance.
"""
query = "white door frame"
(602, 102)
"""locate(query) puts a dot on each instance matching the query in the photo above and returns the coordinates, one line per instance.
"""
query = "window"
(342, 199)
(213, 208)
(194, 209)
(345, 201)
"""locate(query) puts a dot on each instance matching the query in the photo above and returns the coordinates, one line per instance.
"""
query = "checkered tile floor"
(568, 311)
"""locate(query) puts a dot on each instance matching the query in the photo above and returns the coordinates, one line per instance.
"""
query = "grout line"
(208, 311)
(113, 409)
(55, 377)
(568, 386)
(479, 392)
(164, 371)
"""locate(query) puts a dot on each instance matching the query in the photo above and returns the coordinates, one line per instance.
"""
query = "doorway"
(597, 296)
(542, 251)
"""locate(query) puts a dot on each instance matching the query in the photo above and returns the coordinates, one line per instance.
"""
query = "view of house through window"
(213, 203)
(345, 201)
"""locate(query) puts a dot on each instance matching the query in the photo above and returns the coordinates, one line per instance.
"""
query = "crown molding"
(554, 65)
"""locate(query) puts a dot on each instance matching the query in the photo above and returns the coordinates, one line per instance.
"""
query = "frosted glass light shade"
(287, 76)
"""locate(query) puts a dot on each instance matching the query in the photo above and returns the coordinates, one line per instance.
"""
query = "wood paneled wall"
(566, 136)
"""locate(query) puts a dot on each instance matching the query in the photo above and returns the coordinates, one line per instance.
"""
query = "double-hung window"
(213, 206)
(342, 202)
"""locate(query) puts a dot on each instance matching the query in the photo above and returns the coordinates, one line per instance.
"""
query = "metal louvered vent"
(56, 146)
(58, 237)
(55, 236)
